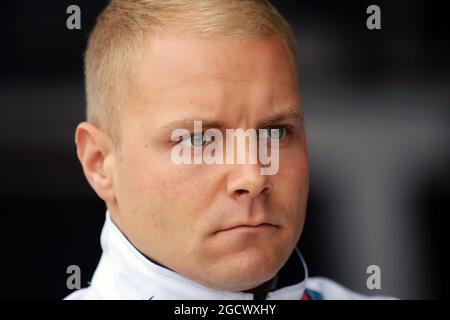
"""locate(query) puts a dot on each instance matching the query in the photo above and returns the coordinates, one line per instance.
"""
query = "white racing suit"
(125, 273)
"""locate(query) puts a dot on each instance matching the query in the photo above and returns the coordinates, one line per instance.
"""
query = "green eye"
(277, 132)
(197, 140)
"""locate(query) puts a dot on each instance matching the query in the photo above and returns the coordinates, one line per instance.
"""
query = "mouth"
(249, 228)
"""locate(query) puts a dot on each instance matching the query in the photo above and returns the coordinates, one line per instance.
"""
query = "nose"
(246, 180)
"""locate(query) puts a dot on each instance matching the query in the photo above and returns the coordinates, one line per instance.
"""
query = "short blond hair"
(113, 46)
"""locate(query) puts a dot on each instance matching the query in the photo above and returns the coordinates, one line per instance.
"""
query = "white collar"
(125, 273)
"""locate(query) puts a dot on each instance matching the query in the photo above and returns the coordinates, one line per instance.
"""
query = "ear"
(95, 151)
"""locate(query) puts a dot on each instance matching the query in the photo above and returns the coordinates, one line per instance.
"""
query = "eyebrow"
(188, 123)
(291, 114)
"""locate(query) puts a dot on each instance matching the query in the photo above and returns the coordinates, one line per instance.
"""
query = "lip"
(249, 227)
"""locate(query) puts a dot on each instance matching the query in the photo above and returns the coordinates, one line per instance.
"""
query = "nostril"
(240, 192)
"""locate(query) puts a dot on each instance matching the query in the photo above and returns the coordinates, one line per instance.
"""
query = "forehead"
(234, 59)
(178, 70)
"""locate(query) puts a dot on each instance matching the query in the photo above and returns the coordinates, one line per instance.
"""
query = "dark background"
(377, 118)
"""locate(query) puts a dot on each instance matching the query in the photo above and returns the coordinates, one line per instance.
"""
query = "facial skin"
(176, 214)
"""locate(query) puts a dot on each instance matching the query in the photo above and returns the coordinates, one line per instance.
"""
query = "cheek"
(293, 176)
(292, 183)
(172, 194)
(158, 206)
(180, 185)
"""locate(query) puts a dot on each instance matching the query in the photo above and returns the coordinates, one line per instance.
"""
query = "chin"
(247, 269)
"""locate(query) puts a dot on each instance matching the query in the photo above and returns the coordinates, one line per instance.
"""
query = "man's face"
(199, 219)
